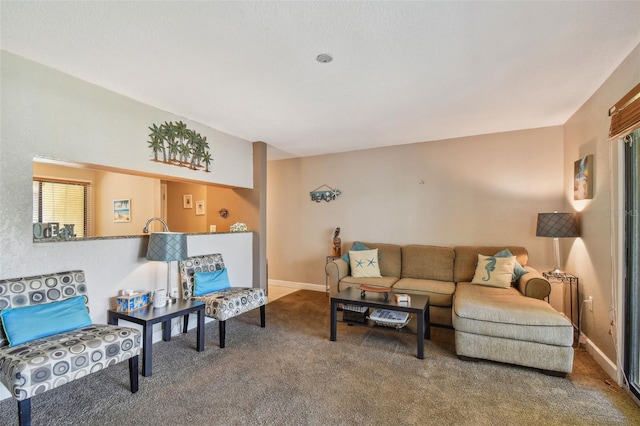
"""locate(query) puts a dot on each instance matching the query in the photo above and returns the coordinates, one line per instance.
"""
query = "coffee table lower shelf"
(419, 306)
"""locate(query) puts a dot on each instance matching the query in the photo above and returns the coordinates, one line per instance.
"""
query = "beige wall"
(240, 210)
(182, 219)
(590, 257)
(143, 192)
(478, 190)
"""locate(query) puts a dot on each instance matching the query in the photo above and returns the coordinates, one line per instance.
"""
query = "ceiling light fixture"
(324, 58)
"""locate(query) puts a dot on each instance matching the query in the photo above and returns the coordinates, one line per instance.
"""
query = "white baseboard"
(607, 365)
(301, 286)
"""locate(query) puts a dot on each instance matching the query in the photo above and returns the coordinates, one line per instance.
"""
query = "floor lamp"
(557, 225)
(167, 247)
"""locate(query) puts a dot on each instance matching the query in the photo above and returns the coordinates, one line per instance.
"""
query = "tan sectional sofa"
(513, 325)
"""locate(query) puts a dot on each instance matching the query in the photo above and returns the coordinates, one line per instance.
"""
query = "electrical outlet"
(590, 303)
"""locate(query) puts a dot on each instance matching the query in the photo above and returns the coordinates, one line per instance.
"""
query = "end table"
(572, 280)
(148, 316)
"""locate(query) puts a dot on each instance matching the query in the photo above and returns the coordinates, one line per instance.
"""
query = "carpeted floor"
(289, 373)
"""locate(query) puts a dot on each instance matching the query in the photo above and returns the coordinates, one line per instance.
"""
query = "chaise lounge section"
(512, 325)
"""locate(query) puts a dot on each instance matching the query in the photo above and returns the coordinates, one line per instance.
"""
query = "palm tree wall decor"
(180, 146)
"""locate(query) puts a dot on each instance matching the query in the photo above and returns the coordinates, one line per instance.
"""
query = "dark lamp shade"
(557, 225)
(167, 246)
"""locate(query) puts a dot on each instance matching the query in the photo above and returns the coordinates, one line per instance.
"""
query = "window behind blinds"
(64, 203)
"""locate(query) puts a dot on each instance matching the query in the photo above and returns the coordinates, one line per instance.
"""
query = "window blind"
(64, 203)
(625, 114)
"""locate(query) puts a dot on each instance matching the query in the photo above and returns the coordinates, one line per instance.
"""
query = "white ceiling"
(402, 72)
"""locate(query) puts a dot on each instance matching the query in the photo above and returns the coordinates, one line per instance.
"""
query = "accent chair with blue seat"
(204, 278)
(47, 338)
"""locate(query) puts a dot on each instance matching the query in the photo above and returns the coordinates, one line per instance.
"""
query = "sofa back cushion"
(466, 258)
(427, 262)
(389, 258)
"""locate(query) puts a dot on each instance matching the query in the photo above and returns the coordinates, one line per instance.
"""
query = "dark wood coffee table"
(419, 305)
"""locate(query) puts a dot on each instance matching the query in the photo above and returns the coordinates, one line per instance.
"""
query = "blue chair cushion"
(28, 323)
(207, 282)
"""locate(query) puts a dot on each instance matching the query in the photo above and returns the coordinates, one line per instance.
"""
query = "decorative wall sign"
(324, 192)
(53, 230)
(584, 175)
(175, 144)
(122, 210)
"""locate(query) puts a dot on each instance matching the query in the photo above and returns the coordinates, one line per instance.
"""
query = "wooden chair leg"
(222, 328)
(133, 374)
(24, 412)
(262, 316)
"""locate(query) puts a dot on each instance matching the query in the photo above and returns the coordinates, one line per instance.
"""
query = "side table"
(326, 278)
(149, 316)
(572, 280)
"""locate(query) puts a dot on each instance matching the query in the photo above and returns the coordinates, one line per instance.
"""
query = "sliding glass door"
(632, 279)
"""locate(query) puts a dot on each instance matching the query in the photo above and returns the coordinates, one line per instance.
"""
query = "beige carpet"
(291, 374)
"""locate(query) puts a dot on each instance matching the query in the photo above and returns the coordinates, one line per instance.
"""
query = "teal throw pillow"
(518, 270)
(357, 246)
(34, 322)
(207, 282)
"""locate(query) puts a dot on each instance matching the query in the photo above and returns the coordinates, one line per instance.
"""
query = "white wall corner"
(603, 361)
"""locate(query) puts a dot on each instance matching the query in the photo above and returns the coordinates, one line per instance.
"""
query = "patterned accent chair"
(44, 363)
(222, 304)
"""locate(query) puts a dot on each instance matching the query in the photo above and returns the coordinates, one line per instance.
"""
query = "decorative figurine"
(337, 243)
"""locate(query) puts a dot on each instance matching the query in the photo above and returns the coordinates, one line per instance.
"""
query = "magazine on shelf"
(384, 315)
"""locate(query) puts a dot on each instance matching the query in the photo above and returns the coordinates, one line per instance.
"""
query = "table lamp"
(557, 225)
(167, 247)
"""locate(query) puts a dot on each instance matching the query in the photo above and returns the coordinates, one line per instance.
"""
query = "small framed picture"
(187, 201)
(200, 208)
(584, 176)
(122, 210)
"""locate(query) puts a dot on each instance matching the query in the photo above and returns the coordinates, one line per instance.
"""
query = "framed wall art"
(122, 210)
(584, 175)
(187, 201)
(200, 208)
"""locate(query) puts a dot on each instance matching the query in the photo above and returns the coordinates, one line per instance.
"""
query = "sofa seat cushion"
(374, 282)
(46, 363)
(506, 313)
(440, 292)
(228, 303)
